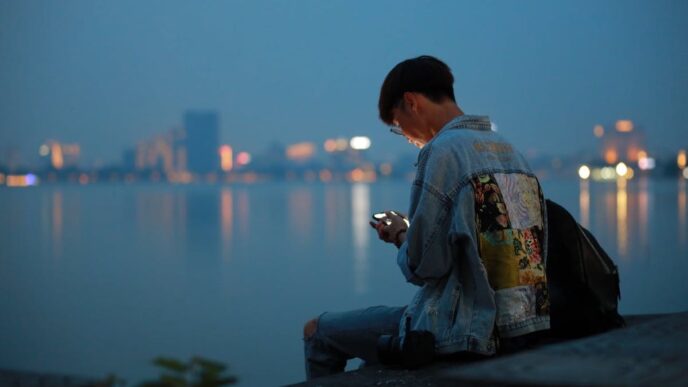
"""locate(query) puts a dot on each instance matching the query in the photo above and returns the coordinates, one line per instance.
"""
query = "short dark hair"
(425, 74)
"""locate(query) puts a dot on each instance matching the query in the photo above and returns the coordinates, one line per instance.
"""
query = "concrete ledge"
(651, 350)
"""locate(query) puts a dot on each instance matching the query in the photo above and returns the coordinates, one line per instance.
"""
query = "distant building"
(179, 149)
(202, 141)
(623, 143)
(58, 156)
(155, 154)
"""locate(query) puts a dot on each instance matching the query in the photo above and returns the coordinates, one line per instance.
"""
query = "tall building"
(202, 141)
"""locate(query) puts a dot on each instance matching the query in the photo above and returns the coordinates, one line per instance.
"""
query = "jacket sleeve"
(426, 255)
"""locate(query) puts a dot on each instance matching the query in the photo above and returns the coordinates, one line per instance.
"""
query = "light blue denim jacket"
(476, 244)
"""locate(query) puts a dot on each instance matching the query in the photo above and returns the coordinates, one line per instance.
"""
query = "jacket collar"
(467, 121)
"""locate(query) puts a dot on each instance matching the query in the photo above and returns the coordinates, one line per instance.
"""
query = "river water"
(101, 279)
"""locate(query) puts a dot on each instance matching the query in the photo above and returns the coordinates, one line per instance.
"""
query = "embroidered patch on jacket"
(512, 255)
(511, 258)
(521, 195)
(490, 208)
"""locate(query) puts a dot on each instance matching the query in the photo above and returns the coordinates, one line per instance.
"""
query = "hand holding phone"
(390, 225)
(381, 217)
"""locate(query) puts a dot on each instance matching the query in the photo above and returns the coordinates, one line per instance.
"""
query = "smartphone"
(379, 216)
(382, 217)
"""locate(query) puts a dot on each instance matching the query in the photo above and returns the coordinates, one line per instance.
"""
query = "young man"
(475, 243)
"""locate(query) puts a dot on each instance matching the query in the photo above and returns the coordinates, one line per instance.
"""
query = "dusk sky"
(107, 74)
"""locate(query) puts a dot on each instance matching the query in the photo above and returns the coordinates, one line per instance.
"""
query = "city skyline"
(163, 149)
(105, 75)
(193, 153)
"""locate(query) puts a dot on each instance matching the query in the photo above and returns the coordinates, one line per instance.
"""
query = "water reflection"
(622, 216)
(203, 221)
(57, 223)
(243, 208)
(360, 213)
(300, 212)
(180, 221)
(626, 212)
(334, 211)
(184, 304)
(165, 216)
(643, 214)
(584, 200)
(158, 213)
(227, 211)
(608, 215)
(682, 237)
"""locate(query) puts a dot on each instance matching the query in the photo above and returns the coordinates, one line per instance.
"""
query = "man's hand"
(392, 228)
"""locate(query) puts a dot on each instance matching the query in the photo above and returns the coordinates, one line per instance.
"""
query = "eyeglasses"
(396, 130)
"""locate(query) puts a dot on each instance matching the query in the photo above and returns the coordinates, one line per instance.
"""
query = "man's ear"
(411, 101)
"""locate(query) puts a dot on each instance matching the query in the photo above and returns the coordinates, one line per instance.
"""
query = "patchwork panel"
(501, 258)
(521, 303)
(510, 245)
(531, 268)
(515, 304)
(521, 194)
(490, 209)
(511, 258)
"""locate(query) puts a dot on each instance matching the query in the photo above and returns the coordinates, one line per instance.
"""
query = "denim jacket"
(476, 244)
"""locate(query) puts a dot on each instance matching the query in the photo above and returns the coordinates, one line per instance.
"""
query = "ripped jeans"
(346, 335)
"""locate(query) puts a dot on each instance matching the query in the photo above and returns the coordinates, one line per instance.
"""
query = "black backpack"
(583, 281)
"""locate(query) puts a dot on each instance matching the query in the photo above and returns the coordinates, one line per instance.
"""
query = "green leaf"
(171, 364)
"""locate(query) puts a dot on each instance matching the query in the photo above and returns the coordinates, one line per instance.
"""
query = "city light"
(226, 158)
(621, 169)
(685, 173)
(681, 159)
(2, 178)
(73, 150)
(360, 143)
(325, 175)
(43, 150)
(610, 156)
(624, 126)
(56, 156)
(301, 151)
(646, 163)
(361, 175)
(607, 173)
(243, 158)
(584, 172)
(181, 177)
(330, 145)
(341, 144)
(598, 131)
(21, 180)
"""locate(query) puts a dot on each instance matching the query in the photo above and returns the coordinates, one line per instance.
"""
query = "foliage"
(197, 372)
